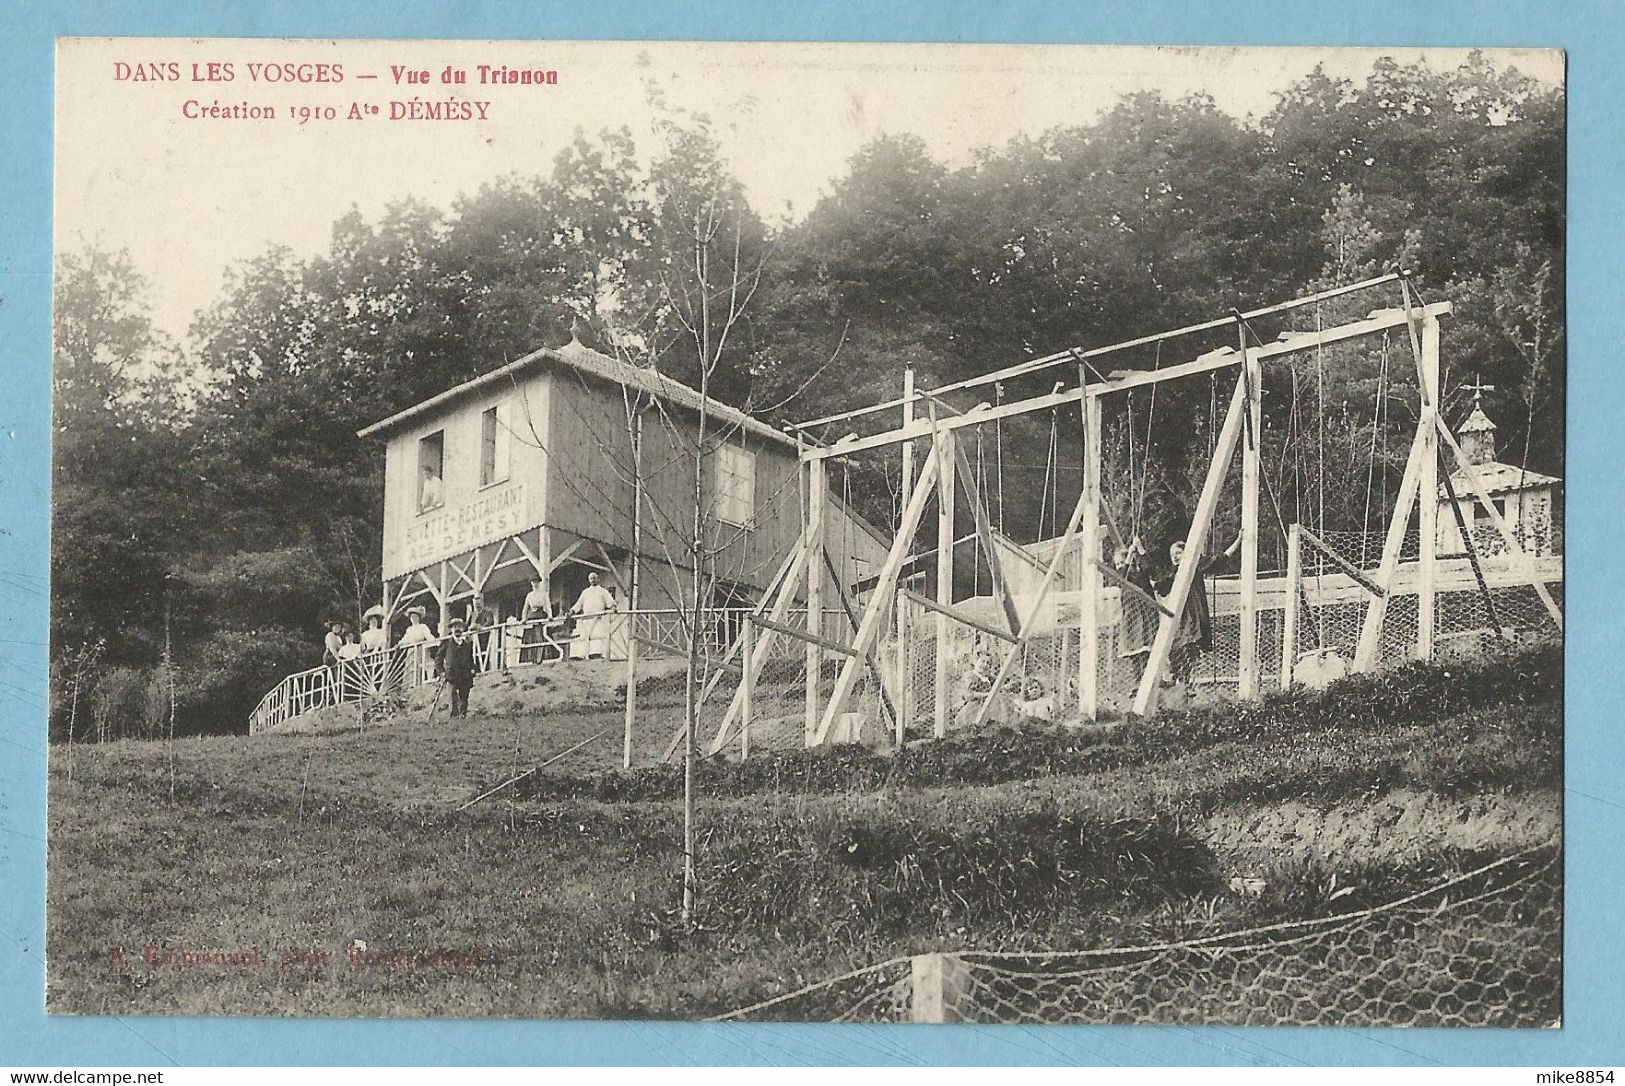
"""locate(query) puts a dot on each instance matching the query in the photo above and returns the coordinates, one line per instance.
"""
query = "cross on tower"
(1478, 389)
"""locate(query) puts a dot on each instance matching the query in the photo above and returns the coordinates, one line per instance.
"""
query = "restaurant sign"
(494, 515)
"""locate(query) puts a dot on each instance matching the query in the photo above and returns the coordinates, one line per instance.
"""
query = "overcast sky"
(191, 197)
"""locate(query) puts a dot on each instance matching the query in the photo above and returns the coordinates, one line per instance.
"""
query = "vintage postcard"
(814, 532)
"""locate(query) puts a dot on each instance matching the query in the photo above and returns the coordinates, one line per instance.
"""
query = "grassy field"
(333, 874)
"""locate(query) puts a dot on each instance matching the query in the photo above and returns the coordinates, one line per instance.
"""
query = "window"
(493, 446)
(735, 483)
(431, 471)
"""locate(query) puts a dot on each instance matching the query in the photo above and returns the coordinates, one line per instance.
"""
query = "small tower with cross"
(1477, 433)
(1528, 501)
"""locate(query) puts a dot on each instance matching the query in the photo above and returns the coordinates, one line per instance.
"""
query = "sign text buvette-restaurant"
(456, 529)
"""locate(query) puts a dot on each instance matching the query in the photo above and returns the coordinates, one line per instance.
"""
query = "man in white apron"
(591, 640)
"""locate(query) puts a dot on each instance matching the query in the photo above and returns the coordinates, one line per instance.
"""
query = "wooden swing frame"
(938, 434)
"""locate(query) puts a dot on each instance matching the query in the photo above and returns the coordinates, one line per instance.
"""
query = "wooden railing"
(394, 671)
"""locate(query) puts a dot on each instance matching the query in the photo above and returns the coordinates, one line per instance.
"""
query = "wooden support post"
(880, 600)
(904, 700)
(444, 599)
(816, 497)
(1089, 568)
(940, 988)
(1514, 548)
(1376, 612)
(943, 453)
(1190, 562)
(1289, 618)
(905, 687)
(1251, 453)
(544, 558)
(1428, 493)
(747, 686)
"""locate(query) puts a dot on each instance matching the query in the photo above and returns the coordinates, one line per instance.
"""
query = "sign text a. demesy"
(455, 529)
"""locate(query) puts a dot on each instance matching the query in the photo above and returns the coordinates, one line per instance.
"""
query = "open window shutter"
(746, 487)
(500, 456)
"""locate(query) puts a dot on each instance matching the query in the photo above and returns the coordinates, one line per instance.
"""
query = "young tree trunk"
(691, 691)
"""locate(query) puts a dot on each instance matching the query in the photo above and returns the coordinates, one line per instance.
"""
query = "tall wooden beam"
(1289, 617)
(1293, 343)
(1376, 612)
(849, 608)
(880, 600)
(1251, 454)
(1089, 569)
(943, 452)
(1190, 562)
(905, 687)
(1428, 490)
(817, 493)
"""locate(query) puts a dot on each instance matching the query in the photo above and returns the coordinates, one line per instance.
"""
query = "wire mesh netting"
(901, 679)
(1334, 598)
(1480, 949)
(1479, 599)
(877, 993)
(1485, 950)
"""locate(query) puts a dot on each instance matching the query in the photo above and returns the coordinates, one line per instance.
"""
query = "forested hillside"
(216, 481)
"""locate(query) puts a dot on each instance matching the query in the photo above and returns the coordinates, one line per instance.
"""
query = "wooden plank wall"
(591, 494)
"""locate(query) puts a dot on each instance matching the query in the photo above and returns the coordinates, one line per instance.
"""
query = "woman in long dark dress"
(1194, 635)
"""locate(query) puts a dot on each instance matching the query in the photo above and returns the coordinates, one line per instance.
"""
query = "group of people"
(343, 652)
(1142, 607)
(453, 657)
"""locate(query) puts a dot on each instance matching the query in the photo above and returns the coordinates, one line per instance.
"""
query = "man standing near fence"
(457, 666)
(592, 633)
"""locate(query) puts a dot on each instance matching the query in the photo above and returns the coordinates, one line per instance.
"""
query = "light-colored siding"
(571, 449)
(592, 492)
(414, 538)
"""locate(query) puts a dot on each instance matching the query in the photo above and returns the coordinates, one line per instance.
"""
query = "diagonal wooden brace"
(1376, 611)
(1471, 475)
(1190, 562)
(881, 599)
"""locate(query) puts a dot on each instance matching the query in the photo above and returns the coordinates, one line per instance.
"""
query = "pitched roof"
(584, 360)
(1498, 478)
(1477, 422)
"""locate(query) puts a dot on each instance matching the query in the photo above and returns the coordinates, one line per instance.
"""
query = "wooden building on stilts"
(570, 462)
